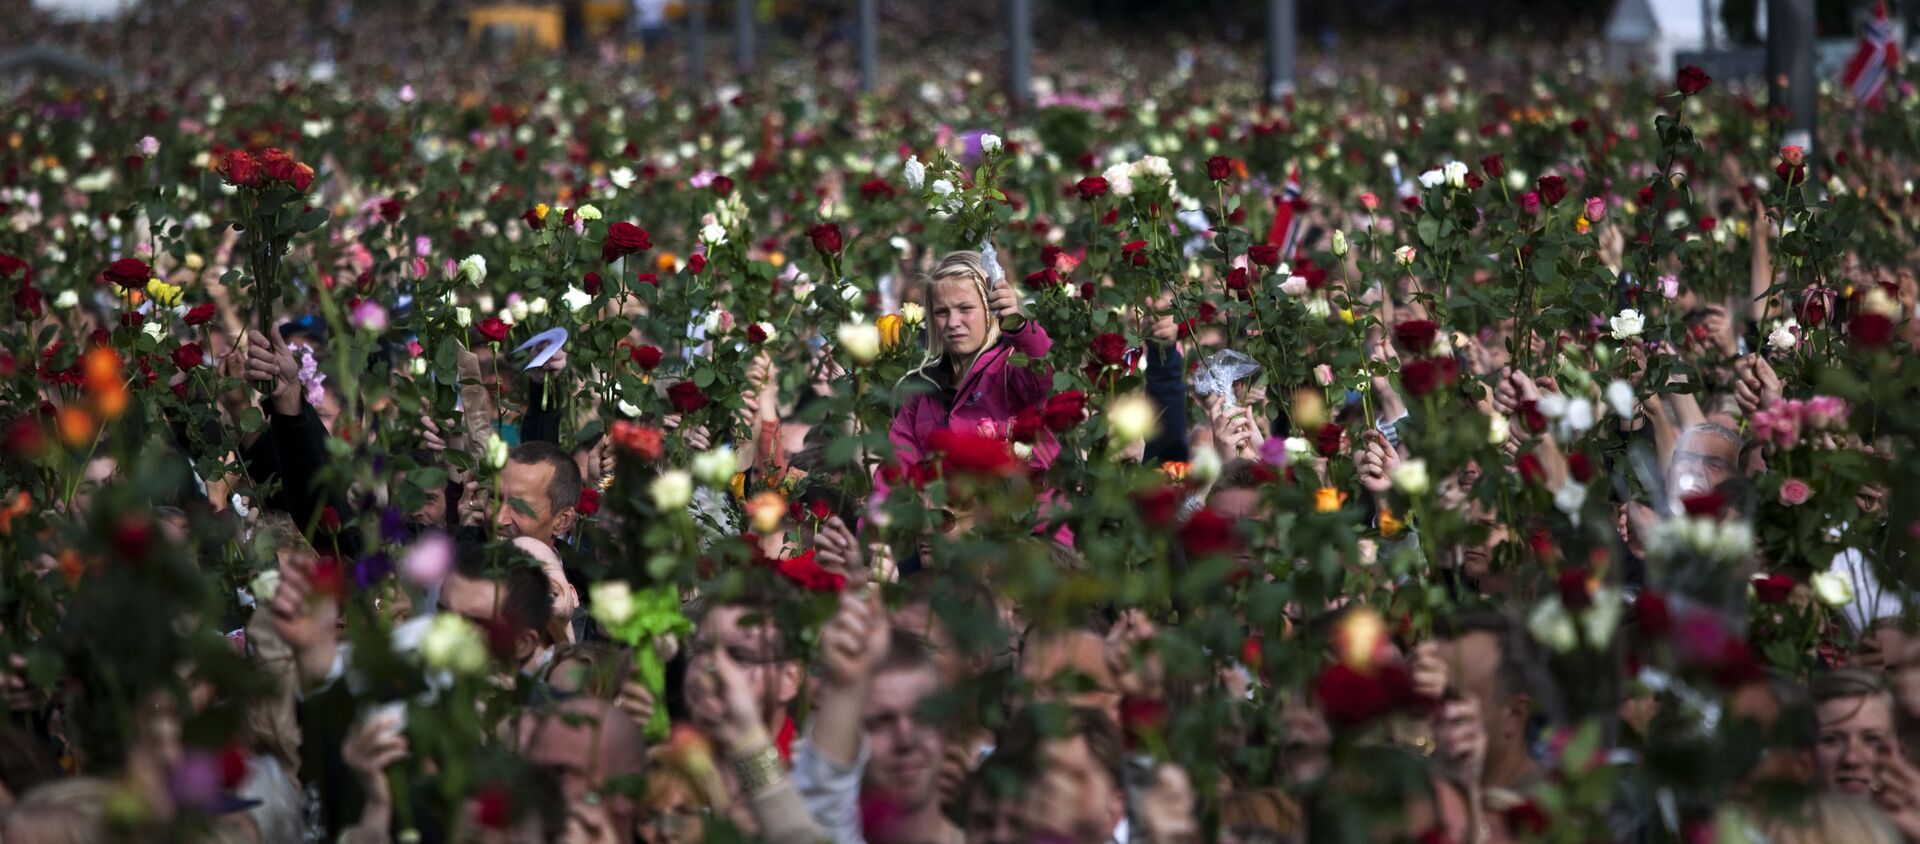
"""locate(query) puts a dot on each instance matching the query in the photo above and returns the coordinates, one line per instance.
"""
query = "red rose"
(1814, 310)
(1650, 613)
(1207, 534)
(1219, 168)
(1110, 349)
(26, 302)
(1704, 505)
(25, 438)
(592, 284)
(1870, 329)
(807, 574)
(1692, 80)
(971, 454)
(1494, 166)
(1552, 190)
(1134, 251)
(1526, 819)
(877, 188)
(10, 265)
(1327, 440)
(1792, 174)
(240, 168)
(1159, 506)
(199, 314)
(1579, 127)
(697, 264)
(1773, 588)
(1350, 698)
(1027, 425)
(687, 397)
(1420, 376)
(302, 177)
(130, 273)
(1531, 472)
(532, 218)
(638, 440)
(648, 278)
(1064, 410)
(721, 186)
(132, 537)
(1043, 279)
(1092, 187)
(277, 164)
(188, 356)
(1575, 592)
(1264, 255)
(756, 334)
(329, 519)
(1239, 281)
(1415, 336)
(1580, 467)
(826, 238)
(493, 807)
(589, 502)
(493, 328)
(390, 209)
(647, 357)
(623, 239)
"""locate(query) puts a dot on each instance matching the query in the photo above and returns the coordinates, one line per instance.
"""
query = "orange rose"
(890, 329)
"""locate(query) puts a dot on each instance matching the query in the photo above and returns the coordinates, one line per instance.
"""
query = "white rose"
(942, 187)
(1498, 427)
(463, 316)
(1833, 588)
(587, 212)
(766, 328)
(915, 172)
(1456, 173)
(713, 234)
(1119, 179)
(627, 409)
(264, 586)
(1603, 618)
(1410, 476)
(575, 299)
(453, 644)
(860, 341)
(611, 603)
(473, 268)
(989, 143)
(516, 313)
(1552, 626)
(1294, 285)
(1579, 416)
(67, 300)
(538, 306)
(1433, 178)
(418, 367)
(1569, 498)
(1297, 448)
(672, 490)
(716, 467)
(1620, 398)
(1131, 418)
(1627, 324)
(1782, 338)
(1155, 166)
(1339, 244)
(912, 313)
(1205, 466)
(621, 177)
(496, 451)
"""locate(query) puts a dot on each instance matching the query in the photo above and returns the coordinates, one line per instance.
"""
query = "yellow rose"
(541, 210)
(890, 328)
(1390, 524)
(1327, 499)
(765, 510)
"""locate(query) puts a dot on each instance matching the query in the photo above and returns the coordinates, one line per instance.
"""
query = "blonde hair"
(1834, 819)
(956, 267)
(70, 811)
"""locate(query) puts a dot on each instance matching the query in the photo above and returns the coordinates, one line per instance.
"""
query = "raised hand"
(1376, 461)
(1460, 739)
(1003, 301)
(373, 745)
(270, 359)
(1429, 671)
(304, 618)
(1755, 384)
(1142, 675)
(474, 506)
(854, 640)
(836, 549)
(1235, 433)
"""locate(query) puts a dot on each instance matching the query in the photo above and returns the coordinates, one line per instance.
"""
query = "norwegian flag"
(1866, 73)
(1285, 232)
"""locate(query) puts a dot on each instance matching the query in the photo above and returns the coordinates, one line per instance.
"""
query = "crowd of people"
(1483, 456)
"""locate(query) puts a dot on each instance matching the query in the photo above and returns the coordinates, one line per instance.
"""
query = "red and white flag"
(1285, 232)
(1867, 72)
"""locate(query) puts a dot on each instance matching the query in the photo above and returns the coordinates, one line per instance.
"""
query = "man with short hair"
(592, 746)
(1704, 456)
(539, 488)
(868, 743)
(1486, 655)
(508, 599)
(1056, 773)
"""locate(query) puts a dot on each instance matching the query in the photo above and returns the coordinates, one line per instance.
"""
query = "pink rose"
(1795, 492)
(1596, 209)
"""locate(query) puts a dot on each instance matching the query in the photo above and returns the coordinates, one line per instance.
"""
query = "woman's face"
(958, 317)
(671, 816)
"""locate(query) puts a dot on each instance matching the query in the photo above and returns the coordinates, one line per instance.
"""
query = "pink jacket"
(985, 401)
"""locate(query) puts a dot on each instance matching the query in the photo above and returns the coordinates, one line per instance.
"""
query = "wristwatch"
(758, 769)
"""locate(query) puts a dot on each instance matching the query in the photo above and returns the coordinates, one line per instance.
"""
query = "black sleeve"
(1167, 387)
(541, 422)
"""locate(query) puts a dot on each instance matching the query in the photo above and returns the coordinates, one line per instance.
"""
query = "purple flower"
(372, 569)
(1273, 452)
(194, 781)
(393, 525)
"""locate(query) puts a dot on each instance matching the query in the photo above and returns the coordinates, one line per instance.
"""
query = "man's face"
(1701, 460)
(584, 763)
(1473, 661)
(1073, 782)
(994, 821)
(1071, 668)
(432, 511)
(474, 600)
(906, 750)
(526, 484)
(1854, 733)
